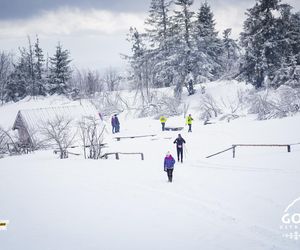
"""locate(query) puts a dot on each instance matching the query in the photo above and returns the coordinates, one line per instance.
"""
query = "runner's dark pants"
(170, 174)
(179, 153)
(163, 126)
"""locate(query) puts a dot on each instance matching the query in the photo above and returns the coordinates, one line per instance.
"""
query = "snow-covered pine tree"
(159, 36)
(60, 71)
(182, 47)
(288, 28)
(208, 51)
(295, 23)
(39, 68)
(17, 84)
(260, 41)
(24, 75)
(139, 63)
(231, 55)
(158, 23)
(32, 88)
(91, 83)
(5, 71)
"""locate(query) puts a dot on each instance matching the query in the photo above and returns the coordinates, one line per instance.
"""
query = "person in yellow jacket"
(163, 122)
(189, 121)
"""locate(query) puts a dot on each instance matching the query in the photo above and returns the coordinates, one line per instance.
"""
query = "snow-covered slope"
(215, 203)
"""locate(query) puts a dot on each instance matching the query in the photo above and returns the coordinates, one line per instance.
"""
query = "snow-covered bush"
(169, 106)
(259, 104)
(209, 107)
(271, 103)
(232, 108)
(227, 103)
(109, 103)
(163, 105)
(223, 105)
(8, 143)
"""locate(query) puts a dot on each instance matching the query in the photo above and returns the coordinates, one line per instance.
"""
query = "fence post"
(233, 151)
(289, 148)
(117, 156)
(142, 155)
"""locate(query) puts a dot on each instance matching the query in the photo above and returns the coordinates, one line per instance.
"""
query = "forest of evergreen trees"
(33, 75)
(179, 48)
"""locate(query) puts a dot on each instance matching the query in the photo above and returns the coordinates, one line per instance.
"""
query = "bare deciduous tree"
(59, 131)
(5, 141)
(87, 82)
(112, 79)
(92, 137)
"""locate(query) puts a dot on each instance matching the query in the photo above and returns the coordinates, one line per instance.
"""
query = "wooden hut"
(29, 121)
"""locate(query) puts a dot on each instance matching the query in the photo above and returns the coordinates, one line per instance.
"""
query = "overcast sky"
(94, 31)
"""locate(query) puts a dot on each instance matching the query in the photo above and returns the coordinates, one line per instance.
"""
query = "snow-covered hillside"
(213, 203)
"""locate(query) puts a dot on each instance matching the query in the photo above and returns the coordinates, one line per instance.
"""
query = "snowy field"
(215, 203)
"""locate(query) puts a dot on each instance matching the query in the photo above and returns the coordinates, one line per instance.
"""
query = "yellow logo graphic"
(3, 224)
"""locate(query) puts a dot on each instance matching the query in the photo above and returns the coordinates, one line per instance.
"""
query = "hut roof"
(33, 119)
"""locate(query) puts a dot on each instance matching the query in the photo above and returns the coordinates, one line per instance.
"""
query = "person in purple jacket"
(169, 166)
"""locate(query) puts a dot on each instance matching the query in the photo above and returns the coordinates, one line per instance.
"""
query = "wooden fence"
(131, 137)
(234, 146)
(117, 155)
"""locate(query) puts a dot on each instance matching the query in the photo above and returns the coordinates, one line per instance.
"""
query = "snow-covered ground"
(215, 203)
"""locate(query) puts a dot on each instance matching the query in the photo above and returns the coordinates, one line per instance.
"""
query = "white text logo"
(291, 221)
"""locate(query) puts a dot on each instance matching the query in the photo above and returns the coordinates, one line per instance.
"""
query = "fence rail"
(132, 137)
(117, 155)
(234, 146)
(288, 146)
(225, 150)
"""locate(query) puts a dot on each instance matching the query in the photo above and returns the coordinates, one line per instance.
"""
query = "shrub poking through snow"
(270, 103)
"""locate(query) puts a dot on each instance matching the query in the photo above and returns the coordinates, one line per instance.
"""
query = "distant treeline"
(31, 74)
(179, 48)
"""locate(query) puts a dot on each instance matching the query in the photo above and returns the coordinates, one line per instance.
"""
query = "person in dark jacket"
(179, 146)
(117, 124)
(113, 124)
(169, 166)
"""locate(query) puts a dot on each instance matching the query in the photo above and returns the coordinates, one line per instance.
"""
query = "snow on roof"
(33, 119)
